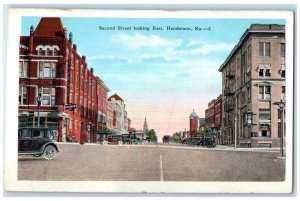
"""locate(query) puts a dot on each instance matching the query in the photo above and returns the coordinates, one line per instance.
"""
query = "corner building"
(253, 78)
(50, 67)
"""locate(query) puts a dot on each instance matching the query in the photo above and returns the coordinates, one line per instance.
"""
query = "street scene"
(153, 163)
(152, 99)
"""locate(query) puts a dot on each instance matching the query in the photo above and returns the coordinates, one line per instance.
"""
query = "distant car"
(130, 139)
(166, 139)
(112, 139)
(36, 142)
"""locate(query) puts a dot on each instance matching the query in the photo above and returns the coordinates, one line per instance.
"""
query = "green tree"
(152, 136)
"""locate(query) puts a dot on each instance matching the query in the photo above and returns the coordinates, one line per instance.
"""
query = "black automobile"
(131, 139)
(166, 139)
(208, 142)
(36, 142)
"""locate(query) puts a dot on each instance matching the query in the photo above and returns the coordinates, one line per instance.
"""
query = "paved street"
(92, 162)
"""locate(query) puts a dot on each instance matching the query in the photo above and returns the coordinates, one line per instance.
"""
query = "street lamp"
(248, 118)
(281, 105)
(39, 100)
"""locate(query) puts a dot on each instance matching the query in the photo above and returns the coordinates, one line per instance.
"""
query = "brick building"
(72, 97)
(213, 118)
(253, 78)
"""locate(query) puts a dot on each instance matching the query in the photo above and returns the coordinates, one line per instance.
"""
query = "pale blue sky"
(162, 75)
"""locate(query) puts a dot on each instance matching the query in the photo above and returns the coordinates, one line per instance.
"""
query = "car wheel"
(49, 152)
(120, 142)
(105, 143)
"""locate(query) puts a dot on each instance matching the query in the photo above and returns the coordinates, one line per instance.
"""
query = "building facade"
(213, 118)
(119, 114)
(253, 78)
(50, 68)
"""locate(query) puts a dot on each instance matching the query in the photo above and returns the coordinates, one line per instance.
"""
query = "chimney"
(75, 47)
(83, 58)
(92, 70)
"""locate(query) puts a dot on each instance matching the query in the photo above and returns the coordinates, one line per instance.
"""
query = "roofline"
(242, 40)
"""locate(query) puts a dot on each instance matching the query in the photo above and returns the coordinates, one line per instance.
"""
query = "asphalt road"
(86, 162)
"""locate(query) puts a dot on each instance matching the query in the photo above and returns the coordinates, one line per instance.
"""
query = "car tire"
(120, 142)
(105, 143)
(49, 152)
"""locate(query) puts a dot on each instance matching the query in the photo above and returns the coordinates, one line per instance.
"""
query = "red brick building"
(51, 68)
(213, 115)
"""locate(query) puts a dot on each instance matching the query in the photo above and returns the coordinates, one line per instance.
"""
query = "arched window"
(48, 52)
(40, 52)
(54, 52)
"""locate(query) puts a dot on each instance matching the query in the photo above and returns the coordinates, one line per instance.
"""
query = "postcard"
(149, 101)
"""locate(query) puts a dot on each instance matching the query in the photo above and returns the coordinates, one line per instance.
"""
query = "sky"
(160, 74)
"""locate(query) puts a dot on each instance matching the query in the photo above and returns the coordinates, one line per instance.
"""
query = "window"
(38, 134)
(25, 133)
(23, 66)
(283, 93)
(264, 49)
(282, 50)
(264, 115)
(22, 95)
(40, 52)
(47, 95)
(48, 52)
(283, 73)
(264, 130)
(264, 92)
(54, 52)
(47, 69)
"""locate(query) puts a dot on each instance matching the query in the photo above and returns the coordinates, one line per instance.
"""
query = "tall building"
(110, 115)
(193, 124)
(69, 93)
(119, 114)
(253, 78)
(145, 129)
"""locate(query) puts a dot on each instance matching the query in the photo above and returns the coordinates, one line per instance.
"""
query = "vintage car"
(131, 139)
(36, 142)
(166, 139)
(208, 142)
(111, 139)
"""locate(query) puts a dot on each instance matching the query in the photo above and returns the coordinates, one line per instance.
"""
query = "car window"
(38, 134)
(25, 133)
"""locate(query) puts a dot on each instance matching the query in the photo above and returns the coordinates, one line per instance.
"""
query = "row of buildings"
(56, 84)
(253, 84)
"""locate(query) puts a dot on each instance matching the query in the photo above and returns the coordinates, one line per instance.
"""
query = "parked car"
(36, 142)
(206, 142)
(189, 141)
(112, 139)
